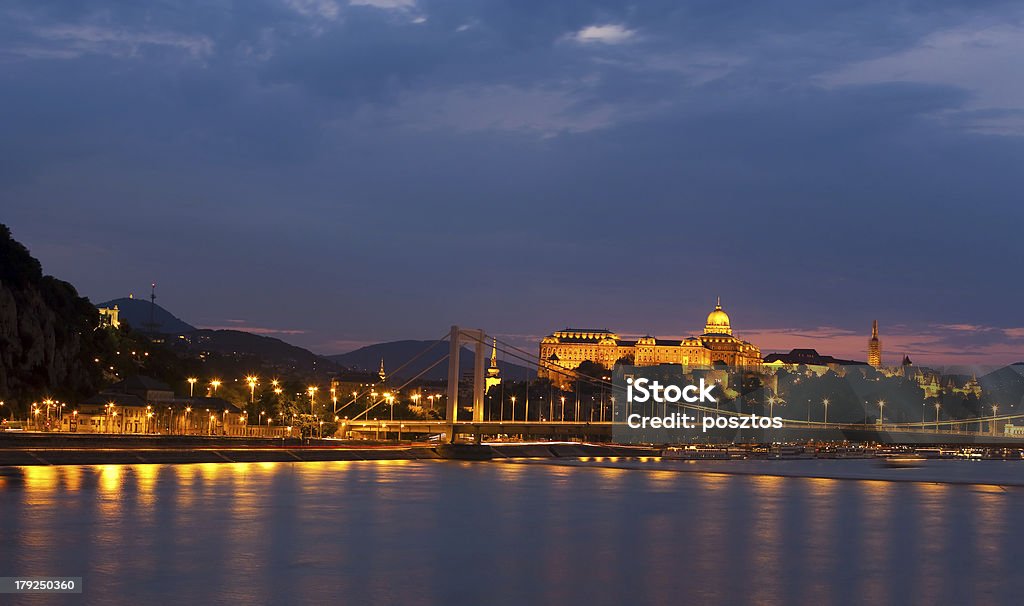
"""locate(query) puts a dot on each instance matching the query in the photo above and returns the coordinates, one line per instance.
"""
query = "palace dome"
(718, 322)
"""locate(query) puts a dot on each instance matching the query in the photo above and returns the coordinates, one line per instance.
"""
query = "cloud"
(256, 330)
(977, 57)
(611, 33)
(327, 9)
(540, 111)
(385, 4)
(78, 39)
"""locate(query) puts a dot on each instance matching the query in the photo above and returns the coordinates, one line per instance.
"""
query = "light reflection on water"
(408, 532)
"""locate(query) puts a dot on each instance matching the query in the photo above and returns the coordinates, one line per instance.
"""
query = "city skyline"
(344, 173)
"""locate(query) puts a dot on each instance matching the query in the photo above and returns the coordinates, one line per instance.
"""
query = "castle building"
(875, 347)
(563, 351)
(110, 316)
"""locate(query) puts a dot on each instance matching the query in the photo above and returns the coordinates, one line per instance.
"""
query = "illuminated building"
(493, 372)
(809, 359)
(874, 347)
(563, 351)
(109, 316)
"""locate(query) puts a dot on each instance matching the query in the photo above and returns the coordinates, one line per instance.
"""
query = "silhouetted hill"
(397, 353)
(1004, 386)
(48, 334)
(136, 313)
(242, 345)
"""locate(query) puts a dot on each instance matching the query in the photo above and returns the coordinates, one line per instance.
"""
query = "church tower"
(382, 373)
(493, 372)
(874, 347)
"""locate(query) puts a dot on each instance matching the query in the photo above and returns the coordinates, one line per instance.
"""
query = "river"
(437, 532)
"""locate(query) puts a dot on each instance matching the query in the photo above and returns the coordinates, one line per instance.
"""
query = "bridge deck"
(604, 431)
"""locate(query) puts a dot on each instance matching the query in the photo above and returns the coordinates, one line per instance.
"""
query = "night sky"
(341, 173)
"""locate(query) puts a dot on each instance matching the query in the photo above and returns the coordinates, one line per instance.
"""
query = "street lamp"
(938, 406)
(563, 409)
(215, 384)
(825, 403)
(513, 415)
(311, 390)
(881, 412)
(191, 385)
(252, 380)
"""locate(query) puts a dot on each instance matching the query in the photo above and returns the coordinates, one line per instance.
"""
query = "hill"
(243, 345)
(235, 348)
(1005, 385)
(49, 335)
(397, 353)
(136, 312)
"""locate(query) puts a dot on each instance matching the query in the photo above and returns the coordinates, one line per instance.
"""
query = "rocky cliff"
(48, 334)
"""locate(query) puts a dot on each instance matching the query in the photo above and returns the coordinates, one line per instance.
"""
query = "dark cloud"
(386, 168)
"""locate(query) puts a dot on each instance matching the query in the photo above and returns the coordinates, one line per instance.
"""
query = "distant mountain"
(246, 348)
(136, 312)
(397, 353)
(1005, 385)
(244, 344)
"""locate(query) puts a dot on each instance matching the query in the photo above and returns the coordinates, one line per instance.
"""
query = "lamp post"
(188, 411)
(563, 409)
(825, 403)
(252, 380)
(311, 390)
(513, 415)
(215, 384)
(995, 409)
(191, 385)
(881, 413)
(938, 406)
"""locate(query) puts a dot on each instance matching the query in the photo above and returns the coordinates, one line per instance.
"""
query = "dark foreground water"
(505, 533)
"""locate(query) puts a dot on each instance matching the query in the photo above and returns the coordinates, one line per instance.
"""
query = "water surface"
(435, 532)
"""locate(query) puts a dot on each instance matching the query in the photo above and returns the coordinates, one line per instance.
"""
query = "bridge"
(448, 428)
(401, 429)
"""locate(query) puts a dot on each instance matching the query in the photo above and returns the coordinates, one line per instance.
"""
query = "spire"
(494, 371)
(380, 373)
(874, 347)
(718, 303)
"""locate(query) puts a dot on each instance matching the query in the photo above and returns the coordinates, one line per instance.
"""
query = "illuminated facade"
(493, 372)
(563, 351)
(875, 347)
(110, 316)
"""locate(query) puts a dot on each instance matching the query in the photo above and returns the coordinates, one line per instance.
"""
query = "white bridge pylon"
(457, 338)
